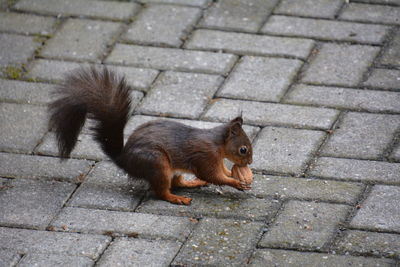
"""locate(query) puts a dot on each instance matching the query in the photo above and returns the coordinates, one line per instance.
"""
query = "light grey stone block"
(305, 225)
(344, 98)
(392, 2)
(357, 170)
(338, 64)
(16, 49)
(263, 79)
(199, 3)
(180, 94)
(396, 153)
(284, 150)
(371, 13)
(25, 92)
(171, 59)
(309, 8)
(162, 25)
(26, 23)
(137, 253)
(248, 44)
(55, 260)
(219, 242)
(384, 79)
(81, 39)
(32, 203)
(326, 29)
(258, 113)
(238, 15)
(8, 257)
(391, 56)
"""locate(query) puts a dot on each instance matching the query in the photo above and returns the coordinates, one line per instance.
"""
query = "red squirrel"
(156, 151)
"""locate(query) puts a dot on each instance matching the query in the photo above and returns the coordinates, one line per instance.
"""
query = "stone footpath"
(318, 82)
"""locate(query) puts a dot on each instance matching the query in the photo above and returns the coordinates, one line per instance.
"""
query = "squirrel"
(157, 151)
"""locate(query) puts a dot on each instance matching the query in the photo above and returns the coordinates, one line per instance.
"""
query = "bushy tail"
(102, 96)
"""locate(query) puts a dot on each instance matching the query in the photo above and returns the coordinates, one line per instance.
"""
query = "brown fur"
(155, 151)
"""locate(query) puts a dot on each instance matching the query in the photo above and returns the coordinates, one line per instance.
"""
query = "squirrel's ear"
(237, 120)
(233, 129)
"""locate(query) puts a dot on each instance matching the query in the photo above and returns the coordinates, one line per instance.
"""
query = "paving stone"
(32, 241)
(344, 98)
(219, 243)
(248, 44)
(307, 189)
(304, 225)
(162, 25)
(284, 150)
(392, 2)
(362, 135)
(81, 39)
(391, 56)
(356, 170)
(16, 49)
(22, 126)
(257, 78)
(371, 13)
(240, 15)
(125, 223)
(396, 154)
(275, 257)
(309, 8)
(25, 92)
(326, 29)
(96, 9)
(180, 94)
(27, 166)
(26, 23)
(377, 212)
(8, 257)
(364, 242)
(171, 59)
(53, 260)
(199, 3)
(337, 64)
(137, 252)
(50, 70)
(32, 203)
(384, 79)
(259, 113)
(238, 206)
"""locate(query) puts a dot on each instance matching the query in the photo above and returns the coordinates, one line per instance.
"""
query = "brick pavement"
(318, 82)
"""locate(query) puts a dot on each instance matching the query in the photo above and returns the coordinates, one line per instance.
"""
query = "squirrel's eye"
(243, 150)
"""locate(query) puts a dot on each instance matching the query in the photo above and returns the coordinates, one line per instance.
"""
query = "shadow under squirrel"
(156, 151)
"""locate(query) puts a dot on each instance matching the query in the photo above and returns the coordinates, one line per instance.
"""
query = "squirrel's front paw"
(242, 186)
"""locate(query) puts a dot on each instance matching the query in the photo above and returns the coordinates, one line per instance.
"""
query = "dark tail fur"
(102, 96)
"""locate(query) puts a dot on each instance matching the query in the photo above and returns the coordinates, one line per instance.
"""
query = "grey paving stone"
(8, 257)
(384, 79)
(371, 13)
(309, 8)
(171, 59)
(32, 241)
(337, 64)
(137, 252)
(219, 243)
(180, 94)
(357, 170)
(392, 2)
(25, 92)
(81, 39)
(396, 153)
(240, 15)
(344, 98)
(238, 206)
(32, 203)
(380, 211)
(391, 56)
(50, 70)
(16, 49)
(275, 257)
(22, 126)
(248, 44)
(26, 23)
(306, 189)
(163, 25)
(304, 225)
(259, 113)
(370, 243)
(199, 3)
(27, 166)
(54, 260)
(97, 9)
(257, 78)
(284, 150)
(362, 135)
(326, 29)
(125, 223)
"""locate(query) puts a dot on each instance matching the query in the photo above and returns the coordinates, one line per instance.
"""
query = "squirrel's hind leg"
(179, 181)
